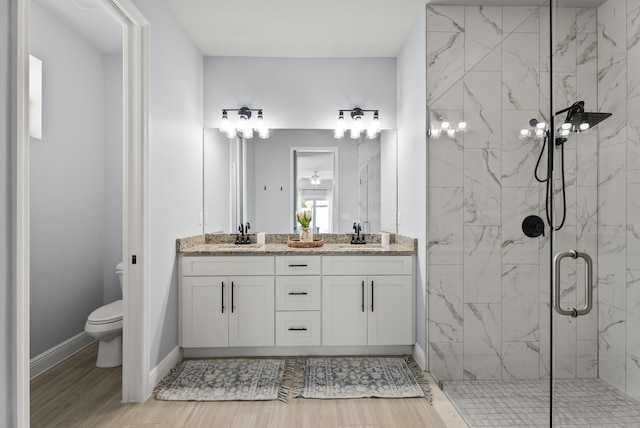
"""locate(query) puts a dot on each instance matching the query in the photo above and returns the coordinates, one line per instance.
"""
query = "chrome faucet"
(357, 238)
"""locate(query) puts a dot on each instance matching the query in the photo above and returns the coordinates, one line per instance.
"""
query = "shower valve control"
(533, 226)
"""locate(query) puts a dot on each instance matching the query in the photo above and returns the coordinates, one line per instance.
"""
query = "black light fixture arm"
(357, 111)
(242, 111)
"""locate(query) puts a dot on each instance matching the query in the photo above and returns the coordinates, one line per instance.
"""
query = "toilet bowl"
(105, 325)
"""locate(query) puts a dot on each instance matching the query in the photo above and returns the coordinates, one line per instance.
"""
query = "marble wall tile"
(519, 156)
(612, 187)
(632, 380)
(564, 46)
(483, 34)
(587, 363)
(445, 18)
(587, 70)
(565, 205)
(482, 345)
(482, 187)
(445, 303)
(520, 19)
(518, 203)
(520, 72)
(633, 311)
(612, 64)
(612, 326)
(564, 91)
(446, 157)
(445, 360)
(632, 5)
(520, 308)
(545, 41)
(482, 109)
(633, 53)
(633, 227)
(587, 324)
(482, 264)
(587, 221)
(520, 360)
(612, 265)
(586, 20)
(587, 159)
(444, 231)
(565, 347)
(445, 63)
(633, 138)
(545, 349)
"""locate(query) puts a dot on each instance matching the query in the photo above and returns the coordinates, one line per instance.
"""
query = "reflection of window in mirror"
(315, 184)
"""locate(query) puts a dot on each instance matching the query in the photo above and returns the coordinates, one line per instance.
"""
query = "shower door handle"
(588, 286)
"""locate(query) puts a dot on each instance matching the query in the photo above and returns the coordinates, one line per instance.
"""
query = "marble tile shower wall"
(619, 194)
(488, 283)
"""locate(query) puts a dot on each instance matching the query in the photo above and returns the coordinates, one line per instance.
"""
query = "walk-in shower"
(536, 328)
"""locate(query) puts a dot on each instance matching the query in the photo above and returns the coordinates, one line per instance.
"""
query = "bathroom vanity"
(271, 299)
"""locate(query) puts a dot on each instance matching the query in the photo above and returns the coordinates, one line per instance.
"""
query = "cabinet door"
(390, 310)
(252, 312)
(205, 321)
(344, 310)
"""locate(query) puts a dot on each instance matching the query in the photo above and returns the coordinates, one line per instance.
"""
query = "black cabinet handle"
(362, 296)
(297, 329)
(371, 296)
(222, 299)
(232, 305)
(298, 265)
(298, 293)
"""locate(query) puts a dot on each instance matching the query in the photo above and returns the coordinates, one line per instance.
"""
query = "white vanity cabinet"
(227, 302)
(298, 301)
(367, 300)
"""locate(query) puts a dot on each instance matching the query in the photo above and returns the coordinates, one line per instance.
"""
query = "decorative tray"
(296, 243)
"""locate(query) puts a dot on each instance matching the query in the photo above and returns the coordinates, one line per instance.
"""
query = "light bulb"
(355, 133)
(338, 133)
(263, 133)
(260, 121)
(566, 126)
(541, 125)
(340, 126)
(462, 126)
(445, 125)
(435, 133)
(565, 132)
(539, 133)
(584, 126)
(524, 133)
(231, 133)
(224, 122)
(247, 132)
(375, 124)
(451, 132)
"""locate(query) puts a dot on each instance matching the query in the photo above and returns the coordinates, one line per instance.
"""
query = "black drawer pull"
(297, 329)
(222, 299)
(298, 293)
(305, 265)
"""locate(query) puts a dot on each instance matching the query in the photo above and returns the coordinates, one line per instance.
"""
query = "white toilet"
(105, 324)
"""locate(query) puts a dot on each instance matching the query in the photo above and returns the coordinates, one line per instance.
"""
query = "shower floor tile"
(525, 403)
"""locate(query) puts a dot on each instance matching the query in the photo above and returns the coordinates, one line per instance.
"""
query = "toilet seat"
(107, 314)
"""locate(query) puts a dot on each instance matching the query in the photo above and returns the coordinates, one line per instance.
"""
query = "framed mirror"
(264, 181)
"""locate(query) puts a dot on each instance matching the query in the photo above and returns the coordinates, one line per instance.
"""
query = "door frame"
(136, 349)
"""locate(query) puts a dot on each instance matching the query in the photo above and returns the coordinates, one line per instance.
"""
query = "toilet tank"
(119, 268)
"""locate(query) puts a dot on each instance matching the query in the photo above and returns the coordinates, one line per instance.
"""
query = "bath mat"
(226, 380)
(355, 377)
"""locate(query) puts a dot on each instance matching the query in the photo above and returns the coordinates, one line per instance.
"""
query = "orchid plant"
(304, 218)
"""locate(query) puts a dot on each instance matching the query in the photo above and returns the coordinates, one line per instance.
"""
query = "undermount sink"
(364, 246)
(234, 245)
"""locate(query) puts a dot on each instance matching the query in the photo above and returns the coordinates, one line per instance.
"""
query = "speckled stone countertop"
(276, 244)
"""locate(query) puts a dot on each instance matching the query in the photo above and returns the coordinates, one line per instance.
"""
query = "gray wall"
(412, 157)
(66, 184)
(175, 164)
(6, 399)
(300, 93)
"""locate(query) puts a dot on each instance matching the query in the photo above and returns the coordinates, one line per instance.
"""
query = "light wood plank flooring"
(77, 394)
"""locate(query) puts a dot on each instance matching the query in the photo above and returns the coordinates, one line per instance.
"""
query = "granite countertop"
(276, 244)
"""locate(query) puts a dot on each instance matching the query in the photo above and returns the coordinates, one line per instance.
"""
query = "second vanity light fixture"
(358, 123)
(244, 125)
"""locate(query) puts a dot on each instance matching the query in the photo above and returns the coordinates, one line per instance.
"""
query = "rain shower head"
(579, 120)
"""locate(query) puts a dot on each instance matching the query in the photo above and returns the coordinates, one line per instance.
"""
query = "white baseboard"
(162, 369)
(59, 353)
(420, 356)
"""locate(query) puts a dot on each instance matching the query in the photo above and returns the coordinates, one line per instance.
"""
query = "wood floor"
(77, 394)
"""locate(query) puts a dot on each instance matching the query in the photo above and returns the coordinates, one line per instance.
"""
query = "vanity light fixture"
(315, 179)
(244, 126)
(447, 128)
(358, 124)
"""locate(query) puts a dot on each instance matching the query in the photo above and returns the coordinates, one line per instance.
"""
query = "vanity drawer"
(298, 265)
(227, 266)
(298, 293)
(367, 265)
(298, 328)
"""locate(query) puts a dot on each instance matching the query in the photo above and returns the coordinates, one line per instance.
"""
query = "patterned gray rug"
(226, 380)
(355, 377)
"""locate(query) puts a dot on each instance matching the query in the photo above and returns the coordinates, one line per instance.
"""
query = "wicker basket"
(296, 243)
